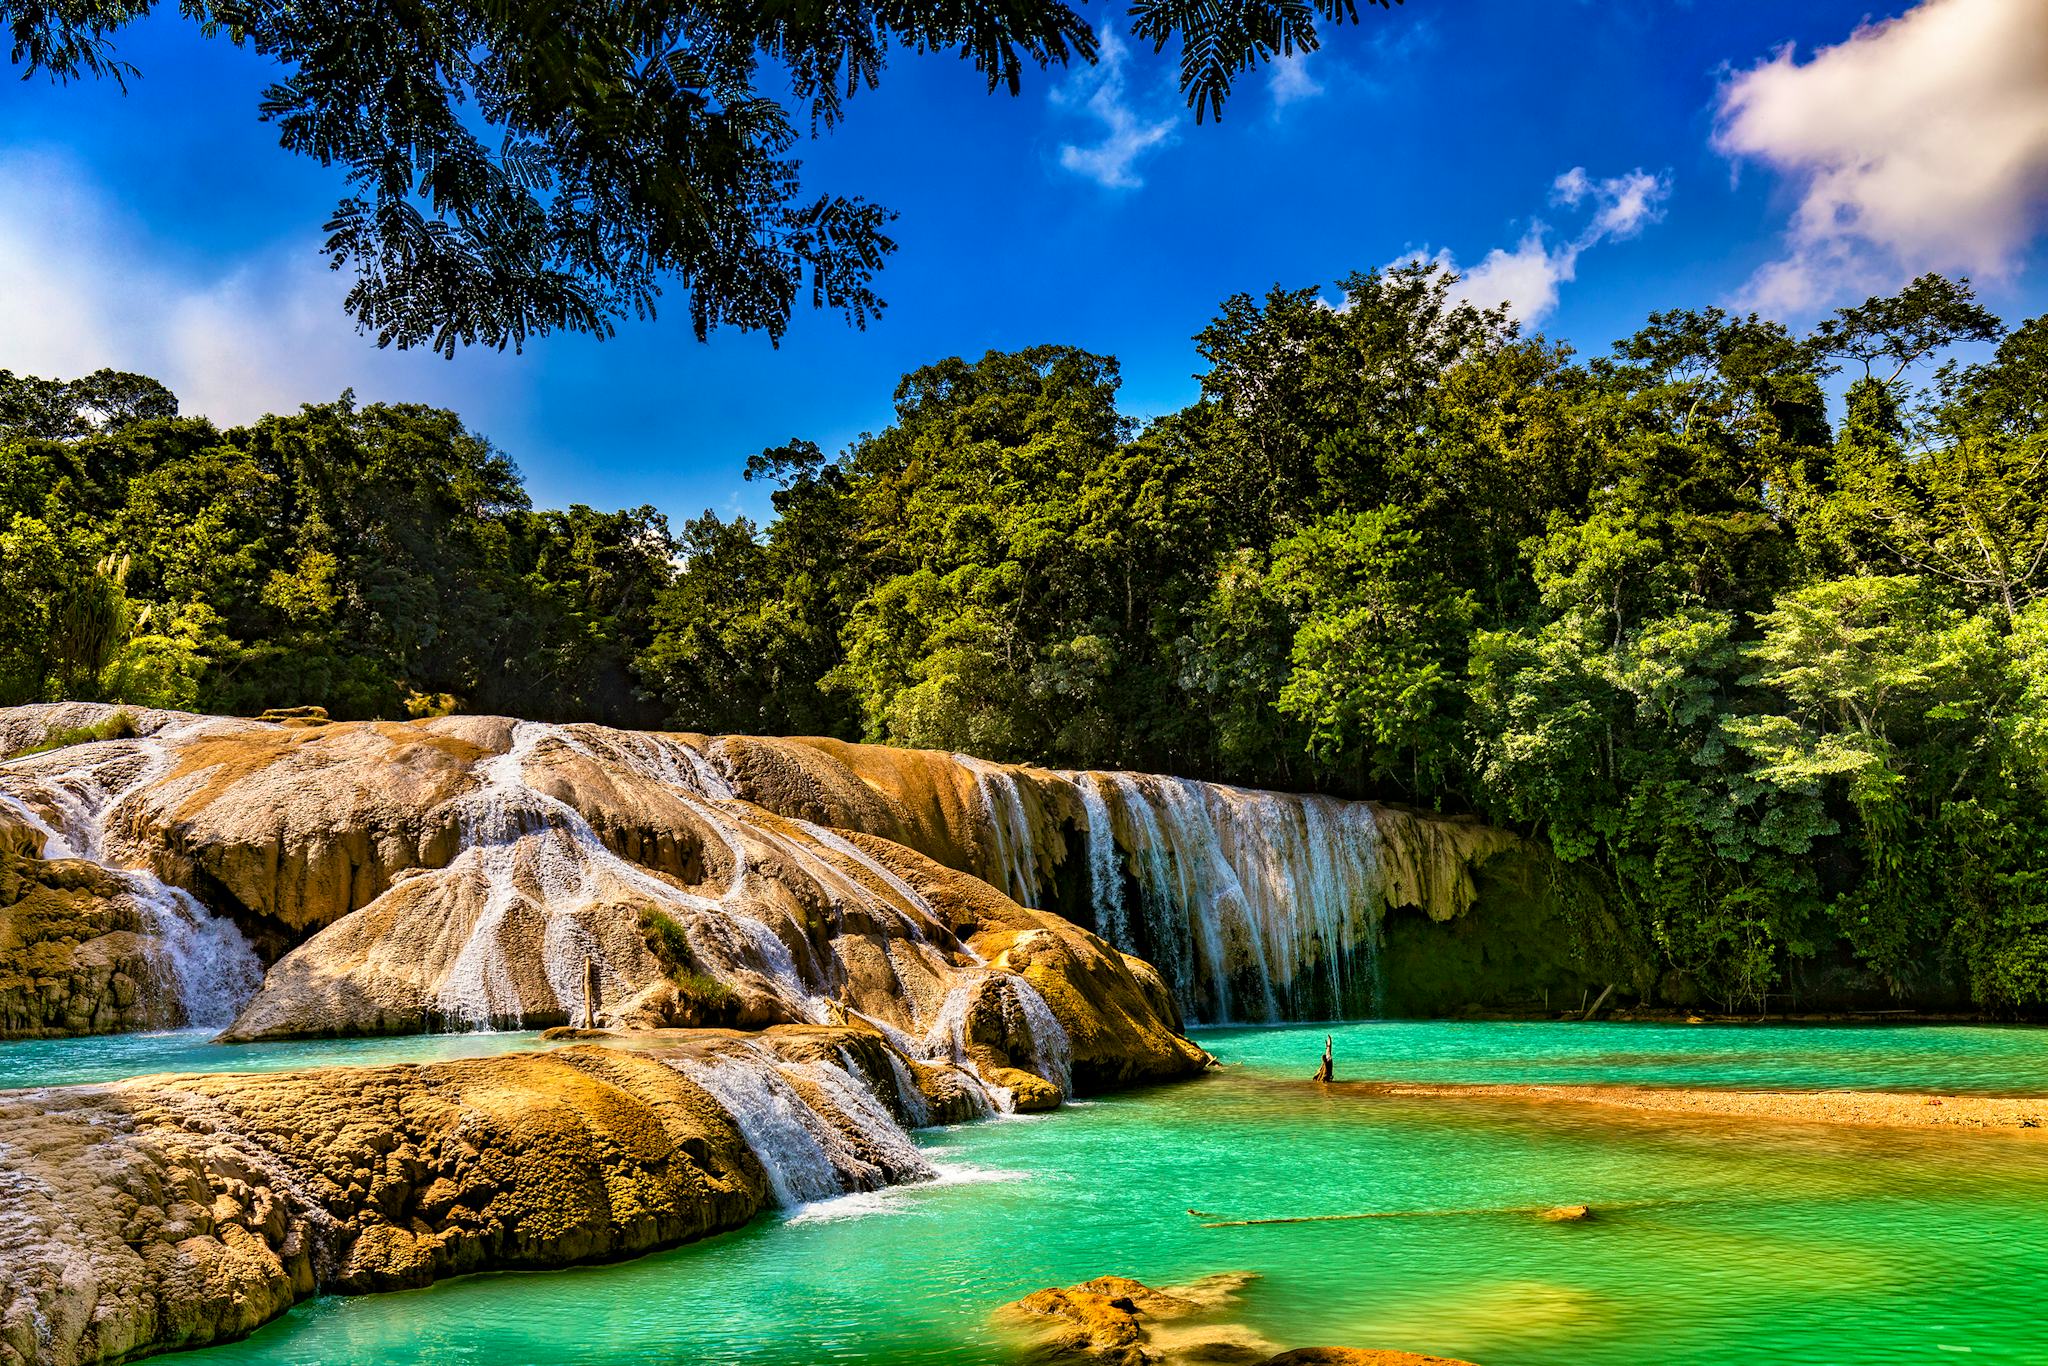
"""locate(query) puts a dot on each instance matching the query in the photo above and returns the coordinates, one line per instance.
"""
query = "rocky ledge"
(174, 1211)
(1116, 1321)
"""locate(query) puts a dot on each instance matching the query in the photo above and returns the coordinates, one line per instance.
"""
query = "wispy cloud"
(84, 287)
(1916, 144)
(1527, 276)
(1127, 135)
(1289, 81)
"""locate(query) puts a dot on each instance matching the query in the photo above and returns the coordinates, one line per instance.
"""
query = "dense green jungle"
(1746, 623)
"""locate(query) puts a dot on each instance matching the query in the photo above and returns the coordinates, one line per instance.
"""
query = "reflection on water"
(1713, 1241)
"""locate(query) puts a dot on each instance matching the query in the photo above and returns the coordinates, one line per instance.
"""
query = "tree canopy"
(521, 167)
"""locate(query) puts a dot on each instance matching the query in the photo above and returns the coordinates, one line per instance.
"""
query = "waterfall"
(1015, 866)
(784, 1132)
(885, 1154)
(946, 1041)
(908, 1097)
(206, 960)
(1105, 870)
(807, 1155)
(539, 858)
(1252, 905)
(1050, 1053)
(1038, 1042)
(213, 966)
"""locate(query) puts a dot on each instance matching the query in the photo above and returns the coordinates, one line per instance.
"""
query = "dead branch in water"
(1554, 1213)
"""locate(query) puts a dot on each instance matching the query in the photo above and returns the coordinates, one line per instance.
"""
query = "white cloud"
(1623, 206)
(1289, 81)
(82, 287)
(1917, 144)
(1527, 276)
(1126, 135)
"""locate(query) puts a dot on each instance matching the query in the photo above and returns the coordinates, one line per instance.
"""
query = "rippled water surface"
(1715, 1243)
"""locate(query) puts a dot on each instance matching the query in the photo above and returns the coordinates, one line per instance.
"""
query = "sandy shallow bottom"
(1885, 1109)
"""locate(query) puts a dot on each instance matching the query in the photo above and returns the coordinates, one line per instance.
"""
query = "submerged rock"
(1116, 1321)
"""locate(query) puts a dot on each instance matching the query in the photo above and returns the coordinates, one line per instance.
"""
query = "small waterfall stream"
(538, 856)
(1252, 905)
(807, 1156)
(210, 964)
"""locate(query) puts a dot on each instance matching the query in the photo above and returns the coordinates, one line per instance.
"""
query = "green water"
(110, 1057)
(1720, 1243)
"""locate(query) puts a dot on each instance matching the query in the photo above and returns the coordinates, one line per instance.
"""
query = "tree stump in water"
(1328, 1071)
(590, 993)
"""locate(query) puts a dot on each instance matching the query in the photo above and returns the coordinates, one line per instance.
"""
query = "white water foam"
(902, 1199)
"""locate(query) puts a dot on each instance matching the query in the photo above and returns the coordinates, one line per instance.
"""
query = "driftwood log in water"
(1328, 1071)
(1550, 1214)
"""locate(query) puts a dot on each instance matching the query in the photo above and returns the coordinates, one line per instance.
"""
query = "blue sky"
(1589, 162)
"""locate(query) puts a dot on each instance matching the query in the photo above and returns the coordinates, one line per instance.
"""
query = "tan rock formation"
(466, 871)
(1116, 1321)
(175, 1211)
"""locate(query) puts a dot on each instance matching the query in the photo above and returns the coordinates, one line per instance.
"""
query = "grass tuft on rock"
(671, 948)
(118, 725)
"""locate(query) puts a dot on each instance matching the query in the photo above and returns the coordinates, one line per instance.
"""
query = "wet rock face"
(461, 871)
(1116, 1321)
(476, 871)
(171, 1212)
(75, 954)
